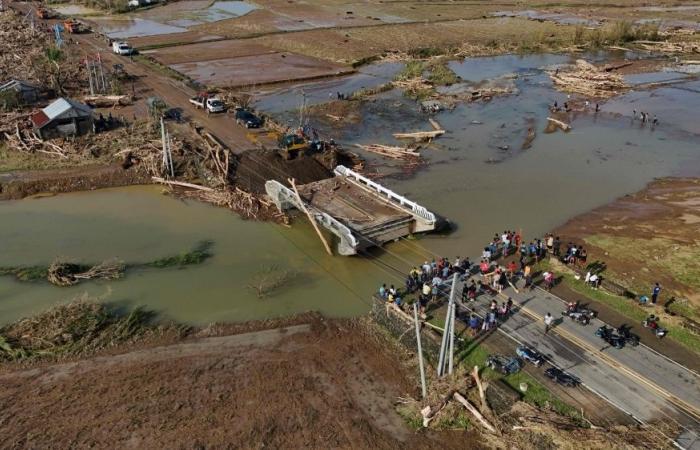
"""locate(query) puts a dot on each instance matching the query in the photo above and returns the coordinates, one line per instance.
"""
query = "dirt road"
(325, 384)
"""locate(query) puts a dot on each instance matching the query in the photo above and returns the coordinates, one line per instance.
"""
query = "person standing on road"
(548, 321)
(655, 293)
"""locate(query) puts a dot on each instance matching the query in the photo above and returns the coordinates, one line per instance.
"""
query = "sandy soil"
(325, 384)
(647, 237)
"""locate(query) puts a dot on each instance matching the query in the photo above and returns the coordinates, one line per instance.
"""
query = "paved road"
(637, 380)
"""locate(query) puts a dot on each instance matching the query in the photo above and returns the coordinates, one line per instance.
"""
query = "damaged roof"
(63, 108)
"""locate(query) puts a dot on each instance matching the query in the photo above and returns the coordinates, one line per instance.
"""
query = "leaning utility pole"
(424, 389)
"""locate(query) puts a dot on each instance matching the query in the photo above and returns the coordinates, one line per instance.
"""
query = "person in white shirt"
(548, 321)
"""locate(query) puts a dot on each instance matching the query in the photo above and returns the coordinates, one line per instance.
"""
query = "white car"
(122, 48)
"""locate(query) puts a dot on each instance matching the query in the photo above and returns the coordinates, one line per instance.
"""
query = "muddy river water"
(477, 176)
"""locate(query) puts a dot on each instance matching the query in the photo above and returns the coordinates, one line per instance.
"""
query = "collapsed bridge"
(358, 211)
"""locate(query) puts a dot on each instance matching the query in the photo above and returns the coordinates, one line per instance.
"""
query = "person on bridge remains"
(548, 321)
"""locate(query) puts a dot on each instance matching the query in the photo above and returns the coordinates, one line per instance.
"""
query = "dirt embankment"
(648, 237)
(319, 384)
(20, 184)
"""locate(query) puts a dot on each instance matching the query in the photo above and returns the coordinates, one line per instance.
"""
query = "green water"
(138, 224)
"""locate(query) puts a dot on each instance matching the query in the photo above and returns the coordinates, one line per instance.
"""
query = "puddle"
(668, 8)
(670, 24)
(564, 19)
(653, 77)
(291, 97)
(485, 68)
(218, 11)
(133, 27)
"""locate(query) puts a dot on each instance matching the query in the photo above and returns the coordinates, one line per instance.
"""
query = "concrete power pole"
(424, 389)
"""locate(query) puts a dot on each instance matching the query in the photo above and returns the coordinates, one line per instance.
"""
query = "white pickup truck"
(122, 48)
(210, 104)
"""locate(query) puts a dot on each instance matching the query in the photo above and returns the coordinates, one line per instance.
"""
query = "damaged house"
(63, 118)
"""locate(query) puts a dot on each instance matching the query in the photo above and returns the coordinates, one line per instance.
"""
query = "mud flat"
(334, 382)
(259, 69)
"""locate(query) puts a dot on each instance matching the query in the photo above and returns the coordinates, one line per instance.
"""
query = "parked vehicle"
(247, 118)
(209, 103)
(122, 48)
(562, 377)
(503, 364)
(578, 314)
(530, 355)
(652, 322)
(610, 337)
(630, 338)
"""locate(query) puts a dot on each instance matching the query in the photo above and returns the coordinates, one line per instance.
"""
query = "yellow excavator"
(290, 145)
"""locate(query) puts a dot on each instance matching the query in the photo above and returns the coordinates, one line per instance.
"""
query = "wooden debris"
(475, 412)
(105, 101)
(181, 184)
(420, 135)
(587, 79)
(311, 217)
(390, 152)
(436, 126)
(559, 123)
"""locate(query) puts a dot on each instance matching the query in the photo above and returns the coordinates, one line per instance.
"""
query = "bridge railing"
(417, 209)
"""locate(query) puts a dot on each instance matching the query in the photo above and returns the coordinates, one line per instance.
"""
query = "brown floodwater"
(477, 176)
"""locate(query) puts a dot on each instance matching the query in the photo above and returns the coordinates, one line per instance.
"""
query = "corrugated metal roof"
(13, 84)
(39, 119)
(62, 106)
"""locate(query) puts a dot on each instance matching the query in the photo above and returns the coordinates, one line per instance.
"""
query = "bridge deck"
(351, 204)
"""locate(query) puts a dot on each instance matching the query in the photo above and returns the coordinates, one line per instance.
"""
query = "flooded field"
(477, 175)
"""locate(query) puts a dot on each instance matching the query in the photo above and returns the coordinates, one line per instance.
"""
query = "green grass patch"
(197, 255)
(412, 69)
(25, 273)
(441, 74)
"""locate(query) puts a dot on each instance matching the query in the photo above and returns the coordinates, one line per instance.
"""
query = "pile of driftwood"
(419, 136)
(389, 151)
(670, 47)
(63, 273)
(587, 79)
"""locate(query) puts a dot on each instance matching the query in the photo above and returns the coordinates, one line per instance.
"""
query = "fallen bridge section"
(358, 211)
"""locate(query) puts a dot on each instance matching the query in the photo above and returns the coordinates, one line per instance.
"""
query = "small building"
(63, 118)
(25, 93)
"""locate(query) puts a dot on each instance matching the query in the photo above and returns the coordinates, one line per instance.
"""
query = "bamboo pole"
(311, 218)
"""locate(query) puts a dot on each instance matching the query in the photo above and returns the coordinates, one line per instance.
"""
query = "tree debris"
(587, 79)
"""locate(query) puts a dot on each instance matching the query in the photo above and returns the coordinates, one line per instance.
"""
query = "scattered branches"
(270, 278)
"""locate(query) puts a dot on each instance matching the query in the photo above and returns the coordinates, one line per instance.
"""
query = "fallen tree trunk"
(390, 152)
(564, 126)
(420, 135)
(475, 412)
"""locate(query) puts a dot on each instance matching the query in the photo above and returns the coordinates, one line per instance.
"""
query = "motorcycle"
(628, 336)
(562, 377)
(530, 355)
(579, 315)
(652, 322)
(609, 337)
(503, 364)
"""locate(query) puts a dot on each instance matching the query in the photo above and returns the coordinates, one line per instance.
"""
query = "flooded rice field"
(477, 175)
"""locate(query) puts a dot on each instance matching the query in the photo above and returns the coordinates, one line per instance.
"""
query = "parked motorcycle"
(503, 364)
(562, 377)
(628, 336)
(652, 322)
(579, 315)
(610, 337)
(530, 355)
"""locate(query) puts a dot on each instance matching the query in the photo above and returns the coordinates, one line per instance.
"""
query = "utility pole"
(448, 333)
(167, 155)
(424, 389)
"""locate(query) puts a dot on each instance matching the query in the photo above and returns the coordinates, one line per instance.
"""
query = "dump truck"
(208, 102)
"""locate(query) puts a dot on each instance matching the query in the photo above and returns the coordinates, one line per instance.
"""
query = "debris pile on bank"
(587, 79)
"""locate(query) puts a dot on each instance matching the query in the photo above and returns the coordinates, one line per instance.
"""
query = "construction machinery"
(290, 145)
(73, 26)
